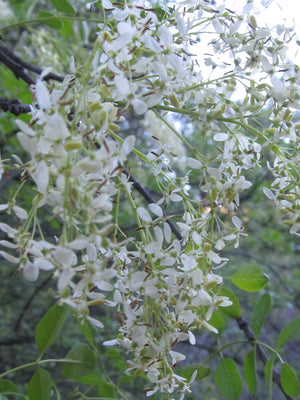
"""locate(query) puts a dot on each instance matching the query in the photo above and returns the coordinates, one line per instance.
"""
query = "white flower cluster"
(285, 190)
(163, 287)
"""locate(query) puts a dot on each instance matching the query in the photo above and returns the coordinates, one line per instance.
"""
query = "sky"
(268, 13)
(271, 13)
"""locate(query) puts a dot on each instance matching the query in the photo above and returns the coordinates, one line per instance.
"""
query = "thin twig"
(29, 301)
(17, 340)
(140, 188)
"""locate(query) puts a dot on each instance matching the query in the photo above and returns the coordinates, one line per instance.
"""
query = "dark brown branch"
(19, 67)
(29, 301)
(14, 66)
(140, 188)
(244, 326)
(14, 106)
(18, 340)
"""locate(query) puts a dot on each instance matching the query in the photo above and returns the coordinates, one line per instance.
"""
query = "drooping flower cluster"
(161, 277)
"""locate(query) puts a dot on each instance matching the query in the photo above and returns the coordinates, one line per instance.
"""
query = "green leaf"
(187, 372)
(233, 311)
(89, 332)
(39, 386)
(84, 361)
(228, 379)
(51, 20)
(250, 278)
(106, 389)
(67, 30)
(6, 386)
(262, 308)
(126, 379)
(112, 352)
(249, 368)
(288, 332)
(289, 380)
(63, 6)
(218, 321)
(115, 358)
(91, 379)
(269, 374)
(49, 327)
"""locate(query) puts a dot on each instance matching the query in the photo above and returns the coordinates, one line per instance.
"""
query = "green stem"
(271, 350)
(217, 352)
(243, 125)
(110, 381)
(176, 110)
(36, 363)
(135, 151)
(45, 19)
(140, 155)
(203, 84)
(117, 216)
(181, 137)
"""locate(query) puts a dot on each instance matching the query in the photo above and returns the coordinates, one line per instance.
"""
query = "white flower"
(143, 214)
(20, 212)
(139, 106)
(65, 278)
(9, 257)
(95, 322)
(193, 163)
(269, 193)
(42, 95)
(221, 137)
(55, 127)
(41, 177)
(176, 356)
(31, 271)
(192, 338)
(122, 85)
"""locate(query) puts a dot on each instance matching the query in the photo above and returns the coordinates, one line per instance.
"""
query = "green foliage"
(106, 389)
(7, 386)
(39, 386)
(51, 20)
(50, 326)
(268, 371)
(233, 311)
(89, 332)
(261, 310)
(84, 362)
(289, 380)
(249, 369)
(218, 321)
(228, 379)
(63, 6)
(250, 278)
(187, 372)
(290, 331)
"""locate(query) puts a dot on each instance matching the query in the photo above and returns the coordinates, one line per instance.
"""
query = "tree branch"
(140, 188)
(19, 66)
(29, 301)
(14, 106)
(18, 340)
(244, 326)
